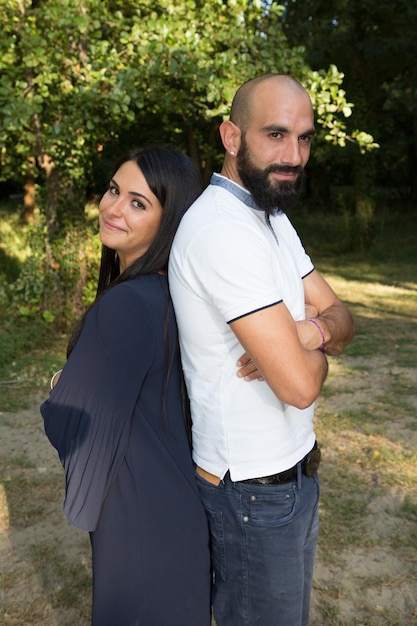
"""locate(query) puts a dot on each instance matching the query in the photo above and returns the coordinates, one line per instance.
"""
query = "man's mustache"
(284, 169)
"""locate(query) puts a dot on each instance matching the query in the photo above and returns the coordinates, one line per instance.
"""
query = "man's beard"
(273, 198)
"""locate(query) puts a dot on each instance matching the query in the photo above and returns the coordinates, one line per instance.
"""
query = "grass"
(31, 372)
(365, 421)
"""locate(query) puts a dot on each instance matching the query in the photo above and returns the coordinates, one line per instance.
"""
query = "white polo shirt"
(226, 262)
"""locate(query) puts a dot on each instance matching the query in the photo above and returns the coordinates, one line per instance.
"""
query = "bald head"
(246, 96)
(268, 139)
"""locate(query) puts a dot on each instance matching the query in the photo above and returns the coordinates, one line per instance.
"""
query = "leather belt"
(309, 466)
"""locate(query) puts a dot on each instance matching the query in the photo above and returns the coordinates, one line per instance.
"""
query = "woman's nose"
(115, 207)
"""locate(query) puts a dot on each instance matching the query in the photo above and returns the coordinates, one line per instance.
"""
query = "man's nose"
(292, 154)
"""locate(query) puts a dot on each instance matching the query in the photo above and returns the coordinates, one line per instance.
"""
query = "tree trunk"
(412, 166)
(29, 199)
(52, 189)
(365, 202)
(29, 194)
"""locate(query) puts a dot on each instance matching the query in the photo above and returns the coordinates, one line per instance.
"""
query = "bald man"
(241, 280)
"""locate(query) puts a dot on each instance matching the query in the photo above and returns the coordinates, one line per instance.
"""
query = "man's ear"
(230, 135)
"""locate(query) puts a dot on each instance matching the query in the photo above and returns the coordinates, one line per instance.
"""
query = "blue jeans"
(264, 540)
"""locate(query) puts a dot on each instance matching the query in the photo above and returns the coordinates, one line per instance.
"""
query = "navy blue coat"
(129, 475)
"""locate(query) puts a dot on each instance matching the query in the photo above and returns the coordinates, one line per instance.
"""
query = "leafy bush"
(43, 288)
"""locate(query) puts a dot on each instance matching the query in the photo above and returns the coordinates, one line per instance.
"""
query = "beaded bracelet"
(322, 348)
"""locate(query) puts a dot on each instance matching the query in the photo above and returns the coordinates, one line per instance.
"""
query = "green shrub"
(56, 280)
(43, 287)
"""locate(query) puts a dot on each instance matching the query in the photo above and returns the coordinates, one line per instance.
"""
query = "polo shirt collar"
(239, 192)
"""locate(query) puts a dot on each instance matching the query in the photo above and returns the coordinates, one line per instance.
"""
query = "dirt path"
(33, 528)
(373, 579)
(45, 563)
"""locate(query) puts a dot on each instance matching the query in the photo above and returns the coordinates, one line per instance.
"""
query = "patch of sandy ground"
(379, 579)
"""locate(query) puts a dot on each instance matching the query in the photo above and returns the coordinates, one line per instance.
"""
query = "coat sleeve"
(88, 414)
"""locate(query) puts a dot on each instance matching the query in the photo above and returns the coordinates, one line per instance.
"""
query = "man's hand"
(247, 368)
(270, 338)
(308, 334)
(311, 311)
(331, 314)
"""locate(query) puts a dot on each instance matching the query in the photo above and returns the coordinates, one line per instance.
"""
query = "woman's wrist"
(55, 378)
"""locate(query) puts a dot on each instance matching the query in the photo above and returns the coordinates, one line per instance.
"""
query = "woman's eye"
(113, 190)
(137, 204)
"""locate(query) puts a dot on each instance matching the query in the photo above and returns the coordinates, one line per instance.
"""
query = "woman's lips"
(110, 226)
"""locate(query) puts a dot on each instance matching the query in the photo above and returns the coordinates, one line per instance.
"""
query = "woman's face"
(129, 214)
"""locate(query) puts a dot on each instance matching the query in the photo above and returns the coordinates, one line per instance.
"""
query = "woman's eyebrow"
(136, 194)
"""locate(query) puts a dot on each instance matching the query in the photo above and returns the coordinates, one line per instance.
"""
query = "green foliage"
(329, 100)
(40, 301)
(73, 75)
(76, 76)
(374, 44)
(328, 235)
(37, 287)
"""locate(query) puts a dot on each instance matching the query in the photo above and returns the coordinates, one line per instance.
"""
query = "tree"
(373, 43)
(60, 81)
(76, 74)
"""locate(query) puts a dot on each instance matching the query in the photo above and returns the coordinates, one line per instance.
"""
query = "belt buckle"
(312, 462)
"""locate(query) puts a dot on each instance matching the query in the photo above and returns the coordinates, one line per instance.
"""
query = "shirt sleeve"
(234, 268)
(88, 414)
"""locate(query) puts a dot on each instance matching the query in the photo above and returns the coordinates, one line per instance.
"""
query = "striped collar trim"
(236, 190)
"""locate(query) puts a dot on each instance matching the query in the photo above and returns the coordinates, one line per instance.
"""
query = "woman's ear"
(230, 135)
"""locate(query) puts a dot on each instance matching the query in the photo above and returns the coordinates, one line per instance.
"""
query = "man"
(240, 278)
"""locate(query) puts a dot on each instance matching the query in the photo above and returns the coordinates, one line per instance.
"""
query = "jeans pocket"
(218, 550)
(216, 526)
(269, 506)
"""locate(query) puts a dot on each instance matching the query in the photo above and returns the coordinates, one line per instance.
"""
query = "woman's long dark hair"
(176, 182)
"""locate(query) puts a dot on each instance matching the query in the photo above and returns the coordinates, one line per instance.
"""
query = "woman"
(116, 413)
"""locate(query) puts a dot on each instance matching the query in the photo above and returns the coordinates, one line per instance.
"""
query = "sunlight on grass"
(13, 236)
(376, 300)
